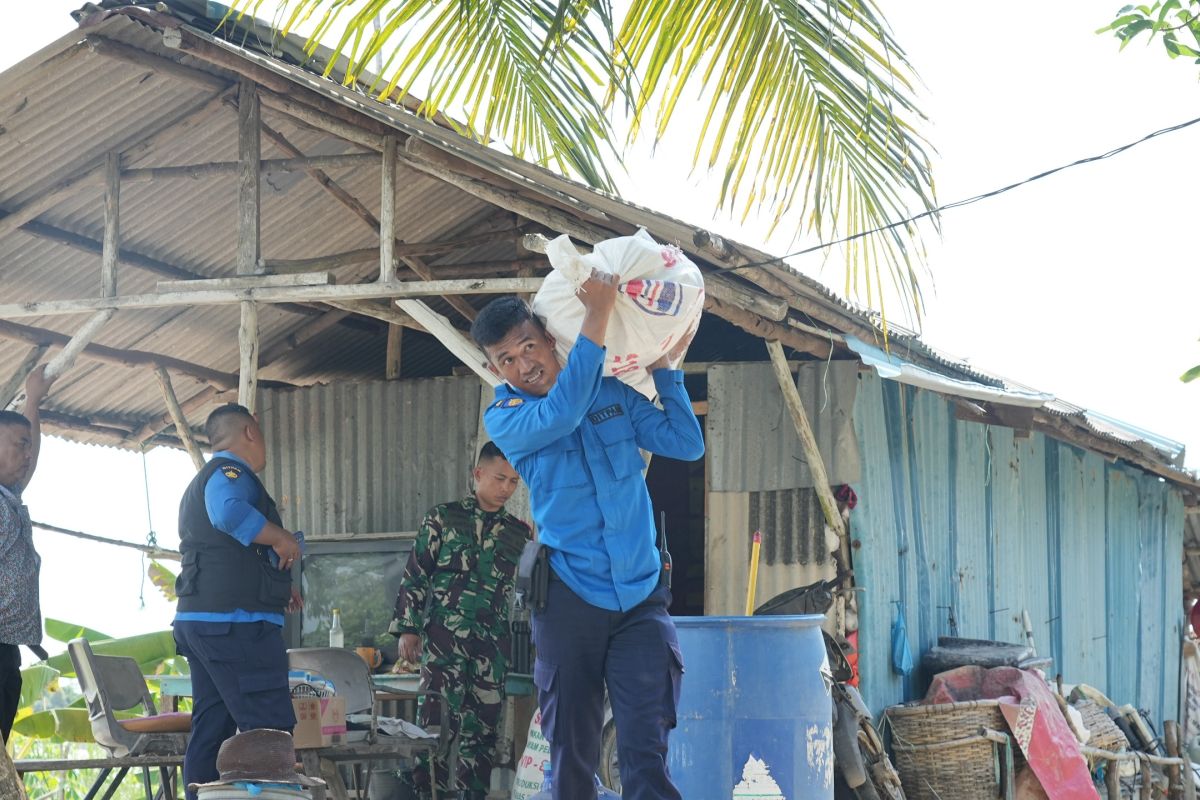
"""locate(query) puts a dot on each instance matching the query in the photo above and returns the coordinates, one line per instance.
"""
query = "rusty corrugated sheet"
(369, 457)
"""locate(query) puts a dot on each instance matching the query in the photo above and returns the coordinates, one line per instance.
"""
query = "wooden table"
(106, 766)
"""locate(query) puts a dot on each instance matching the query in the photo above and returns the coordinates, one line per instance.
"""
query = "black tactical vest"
(219, 573)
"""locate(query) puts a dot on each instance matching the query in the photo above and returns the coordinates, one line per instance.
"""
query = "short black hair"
(13, 418)
(499, 317)
(488, 452)
(217, 425)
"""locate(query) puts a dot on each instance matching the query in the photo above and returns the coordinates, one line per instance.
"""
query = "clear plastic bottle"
(605, 793)
(602, 792)
(336, 637)
(547, 784)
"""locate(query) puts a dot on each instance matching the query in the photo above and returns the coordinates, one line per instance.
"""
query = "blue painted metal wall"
(962, 516)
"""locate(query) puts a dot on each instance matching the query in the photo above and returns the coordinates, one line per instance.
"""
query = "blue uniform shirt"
(232, 505)
(577, 449)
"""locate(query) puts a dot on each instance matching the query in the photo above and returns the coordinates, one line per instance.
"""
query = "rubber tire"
(610, 774)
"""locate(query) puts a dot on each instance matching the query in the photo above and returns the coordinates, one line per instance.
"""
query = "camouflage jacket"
(460, 572)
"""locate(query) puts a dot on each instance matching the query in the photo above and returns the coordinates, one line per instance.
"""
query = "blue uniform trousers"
(239, 683)
(580, 648)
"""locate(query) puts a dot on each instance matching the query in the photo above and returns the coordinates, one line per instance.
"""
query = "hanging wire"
(967, 201)
(151, 537)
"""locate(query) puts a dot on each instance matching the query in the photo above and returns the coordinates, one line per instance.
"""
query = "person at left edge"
(20, 610)
(234, 589)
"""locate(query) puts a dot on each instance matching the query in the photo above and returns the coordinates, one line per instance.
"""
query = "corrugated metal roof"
(188, 224)
(957, 514)
(76, 104)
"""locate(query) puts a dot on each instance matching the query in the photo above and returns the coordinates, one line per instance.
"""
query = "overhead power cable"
(966, 202)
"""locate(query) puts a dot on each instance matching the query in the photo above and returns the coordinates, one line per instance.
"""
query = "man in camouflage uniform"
(456, 594)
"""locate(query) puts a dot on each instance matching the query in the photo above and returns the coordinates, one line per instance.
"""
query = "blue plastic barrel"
(755, 714)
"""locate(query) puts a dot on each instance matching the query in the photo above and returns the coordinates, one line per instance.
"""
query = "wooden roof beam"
(273, 294)
(112, 355)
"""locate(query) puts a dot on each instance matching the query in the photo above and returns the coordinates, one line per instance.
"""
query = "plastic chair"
(115, 683)
(348, 673)
(351, 679)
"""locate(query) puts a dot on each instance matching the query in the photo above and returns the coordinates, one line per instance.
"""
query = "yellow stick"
(750, 591)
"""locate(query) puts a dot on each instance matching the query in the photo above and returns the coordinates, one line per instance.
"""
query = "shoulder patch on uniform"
(508, 402)
(231, 471)
(606, 413)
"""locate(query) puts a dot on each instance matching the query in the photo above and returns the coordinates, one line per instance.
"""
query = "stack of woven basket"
(960, 750)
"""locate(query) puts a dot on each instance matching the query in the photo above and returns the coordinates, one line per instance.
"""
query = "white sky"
(1083, 284)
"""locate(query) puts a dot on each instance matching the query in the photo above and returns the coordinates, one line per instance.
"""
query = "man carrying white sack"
(574, 436)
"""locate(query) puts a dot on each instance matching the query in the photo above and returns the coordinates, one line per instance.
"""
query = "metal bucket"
(755, 715)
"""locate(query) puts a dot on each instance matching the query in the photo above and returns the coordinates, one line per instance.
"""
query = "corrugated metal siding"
(954, 513)
(795, 552)
(752, 443)
(369, 457)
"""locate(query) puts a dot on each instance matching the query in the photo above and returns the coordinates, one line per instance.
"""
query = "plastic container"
(755, 718)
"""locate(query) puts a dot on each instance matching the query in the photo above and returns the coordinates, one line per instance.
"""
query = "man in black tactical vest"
(234, 588)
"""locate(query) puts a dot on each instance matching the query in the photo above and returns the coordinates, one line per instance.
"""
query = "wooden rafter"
(120, 357)
(12, 387)
(274, 294)
(178, 417)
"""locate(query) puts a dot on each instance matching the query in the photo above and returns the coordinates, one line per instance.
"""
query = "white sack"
(660, 299)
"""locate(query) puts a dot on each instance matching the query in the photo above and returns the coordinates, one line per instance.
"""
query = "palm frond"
(528, 73)
(810, 116)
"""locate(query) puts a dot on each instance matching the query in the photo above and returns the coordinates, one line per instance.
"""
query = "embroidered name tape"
(606, 413)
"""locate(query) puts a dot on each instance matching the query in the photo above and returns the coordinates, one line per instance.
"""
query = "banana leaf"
(148, 649)
(60, 724)
(36, 682)
(164, 579)
(61, 631)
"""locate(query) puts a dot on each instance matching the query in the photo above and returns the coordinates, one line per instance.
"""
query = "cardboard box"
(320, 721)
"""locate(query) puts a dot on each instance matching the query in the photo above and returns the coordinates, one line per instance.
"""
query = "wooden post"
(808, 441)
(111, 249)
(1174, 774)
(178, 417)
(249, 155)
(11, 784)
(525, 272)
(12, 388)
(248, 353)
(1112, 779)
(387, 212)
(394, 341)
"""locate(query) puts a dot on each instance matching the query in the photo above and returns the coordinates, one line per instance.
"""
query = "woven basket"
(971, 768)
(1105, 735)
(953, 750)
(944, 722)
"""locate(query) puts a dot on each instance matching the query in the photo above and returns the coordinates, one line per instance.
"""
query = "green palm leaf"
(809, 111)
(809, 116)
(529, 73)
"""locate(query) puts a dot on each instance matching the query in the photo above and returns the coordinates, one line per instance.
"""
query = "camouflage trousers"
(469, 673)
